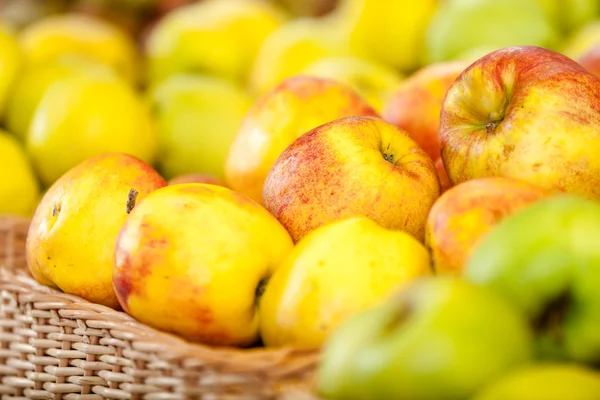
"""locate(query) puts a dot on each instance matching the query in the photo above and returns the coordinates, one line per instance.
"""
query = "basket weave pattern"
(57, 346)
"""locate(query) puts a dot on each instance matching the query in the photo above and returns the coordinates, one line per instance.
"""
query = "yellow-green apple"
(10, 62)
(196, 178)
(197, 118)
(582, 40)
(291, 48)
(416, 105)
(335, 272)
(590, 60)
(544, 381)
(34, 80)
(83, 116)
(201, 284)
(439, 338)
(465, 213)
(392, 32)
(487, 23)
(348, 167)
(277, 118)
(72, 236)
(528, 113)
(373, 80)
(78, 33)
(570, 15)
(212, 37)
(545, 260)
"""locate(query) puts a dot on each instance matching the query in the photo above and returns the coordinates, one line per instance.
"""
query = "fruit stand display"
(274, 199)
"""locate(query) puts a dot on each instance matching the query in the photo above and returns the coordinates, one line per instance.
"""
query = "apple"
(545, 261)
(391, 32)
(348, 167)
(277, 118)
(465, 213)
(196, 178)
(590, 60)
(545, 381)
(10, 62)
(445, 183)
(34, 80)
(71, 238)
(439, 338)
(288, 50)
(201, 284)
(66, 33)
(197, 118)
(489, 23)
(84, 116)
(582, 40)
(20, 188)
(335, 272)
(528, 113)
(570, 15)
(211, 37)
(373, 80)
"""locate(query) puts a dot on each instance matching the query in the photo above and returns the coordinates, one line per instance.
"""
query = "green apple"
(569, 15)
(545, 260)
(545, 381)
(487, 23)
(440, 338)
(36, 79)
(10, 61)
(197, 118)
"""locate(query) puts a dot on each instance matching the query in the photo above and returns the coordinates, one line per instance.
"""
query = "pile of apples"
(412, 187)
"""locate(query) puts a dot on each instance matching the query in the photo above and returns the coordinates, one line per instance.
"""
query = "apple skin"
(466, 212)
(590, 60)
(341, 169)
(440, 338)
(196, 178)
(545, 260)
(279, 117)
(528, 113)
(545, 381)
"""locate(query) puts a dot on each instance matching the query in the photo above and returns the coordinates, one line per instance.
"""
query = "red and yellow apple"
(466, 212)
(591, 60)
(528, 113)
(348, 167)
(294, 107)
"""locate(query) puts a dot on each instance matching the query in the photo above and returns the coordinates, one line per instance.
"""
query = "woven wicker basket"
(57, 346)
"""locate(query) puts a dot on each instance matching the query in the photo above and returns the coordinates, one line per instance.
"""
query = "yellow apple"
(528, 113)
(201, 284)
(466, 212)
(291, 48)
(582, 40)
(196, 178)
(36, 79)
(19, 188)
(197, 118)
(81, 117)
(349, 167)
(392, 32)
(294, 107)
(10, 62)
(72, 236)
(373, 80)
(78, 33)
(212, 37)
(335, 272)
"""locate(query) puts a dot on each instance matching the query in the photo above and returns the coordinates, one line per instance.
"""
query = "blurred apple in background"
(34, 81)
(545, 260)
(196, 118)
(211, 37)
(81, 117)
(20, 191)
(544, 381)
(391, 32)
(466, 212)
(569, 15)
(438, 338)
(462, 25)
(590, 60)
(336, 271)
(582, 40)
(291, 48)
(293, 108)
(10, 64)
(349, 167)
(68, 33)
(196, 178)
(526, 113)
(373, 80)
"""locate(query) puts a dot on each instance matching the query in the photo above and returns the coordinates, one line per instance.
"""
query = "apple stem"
(490, 127)
(131, 197)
